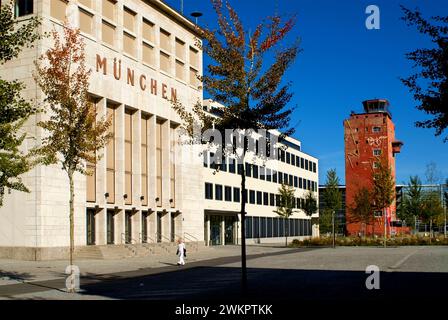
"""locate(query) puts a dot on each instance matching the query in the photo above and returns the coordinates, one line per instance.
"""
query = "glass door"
(90, 227)
(215, 230)
(229, 223)
(144, 226)
(159, 226)
(128, 227)
(110, 227)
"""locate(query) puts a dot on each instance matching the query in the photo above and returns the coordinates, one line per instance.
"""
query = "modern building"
(147, 188)
(369, 140)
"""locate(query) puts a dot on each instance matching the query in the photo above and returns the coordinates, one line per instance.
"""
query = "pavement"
(214, 273)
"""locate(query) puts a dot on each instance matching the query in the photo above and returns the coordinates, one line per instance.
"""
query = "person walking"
(181, 252)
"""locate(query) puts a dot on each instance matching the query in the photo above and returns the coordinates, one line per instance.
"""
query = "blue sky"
(341, 65)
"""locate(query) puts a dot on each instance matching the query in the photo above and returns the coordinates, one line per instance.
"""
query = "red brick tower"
(369, 138)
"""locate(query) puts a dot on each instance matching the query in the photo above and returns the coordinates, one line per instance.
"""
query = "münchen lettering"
(142, 81)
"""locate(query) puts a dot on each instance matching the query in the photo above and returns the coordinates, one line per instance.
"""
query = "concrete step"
(88, 252)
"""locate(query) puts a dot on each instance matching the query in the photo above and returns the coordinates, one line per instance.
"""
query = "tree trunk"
(72, 224)
(334, 236)
(243, 226)
(286, 232)
(385, 234)
(430, 231)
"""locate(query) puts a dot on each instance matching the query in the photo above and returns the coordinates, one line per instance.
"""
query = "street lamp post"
(334, 235)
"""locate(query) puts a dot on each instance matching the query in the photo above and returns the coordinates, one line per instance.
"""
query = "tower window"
(377, 152)
(376, 129)
(23, 7)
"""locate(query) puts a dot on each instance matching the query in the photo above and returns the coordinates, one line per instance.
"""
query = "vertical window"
(269, 228)
(249, 225)
(297, 161)
(58, 9)
(128, 156)
(110, 157)
(173, 166)
(262, 227)
(288, 158)
(290, 180)
(208, 191)
(108, 33)
(300, 183)
(281, 227)
(165, 62)
(302, 163)
(129, 19)
(86, 22)
(275, 227)
(259, 197)
(165, 40)
(293, 160)
(159, 160)
(265, 198)
(272, 200)
(236, 195)
(262, 173)
(194, 81)
(144, 159)
(255, 171)
(109, 9)
(296, 183)
(314, 167)
(218, 192)
(256, 227)
(231, 165)
(129, 44)
(91, 177)
(180, 49)
(376, 129)
(377, 152)
(148, 54)
(268, 175)
(306, 164)
(251, 196)
(280, 177)
(194, 58)
(228, 193)
(274, 176)
(148, 31)
(23, 7)
(180, 70)
(248, 167)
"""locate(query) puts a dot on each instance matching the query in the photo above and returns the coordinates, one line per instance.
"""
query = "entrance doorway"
(145, 215)
(215, 230)
(90, 227)
(128, 227)
(229, 235)
(110, 226)
(159, 226)
(173, 227)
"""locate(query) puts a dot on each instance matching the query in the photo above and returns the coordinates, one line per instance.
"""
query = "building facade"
(147, 188)
(369, 140)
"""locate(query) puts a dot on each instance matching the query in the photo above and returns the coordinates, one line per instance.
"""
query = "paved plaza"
(213, 273)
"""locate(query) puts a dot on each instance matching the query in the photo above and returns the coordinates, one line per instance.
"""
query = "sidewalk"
(17, 271)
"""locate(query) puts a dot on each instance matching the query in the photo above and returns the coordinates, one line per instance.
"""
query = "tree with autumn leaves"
(251, 91)
(74, 134)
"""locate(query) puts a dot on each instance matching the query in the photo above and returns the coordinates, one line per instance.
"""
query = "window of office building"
(208, 191)
(297, 161)
(165, 40)
(108, 33)
(306, 164)
(251, 196)
(231, 165)
(262, 227)
(285, 178)
(262, 173)
(58, 9)
(259, 197)
(180, 49)
(144, 159)
(272, 200)
(194, 81)
(148, 54)
(300, 183)
(86, 22)
(23, 7)
(314, 167)
(129, 19)
(288, 158)
(268, 175)
(223, 166)
(218, 192)
(173, 142)
(275, 227)
(281, 227)
(165, 62)
(265, 198)
(159, 162)
(290, 180)
(148, 32)
(256, 227)
(194, 58)
(109, 9)
(280, 177)
(180, 70)
(293, 160)
(269, 227)
(274, 176)
(228, 193)
(110, 157)
(248, 170)
(128, 156)
(87, 3)
(255, 171)
(302, 163)
(236, 195)
(129, 44)
(296, 182)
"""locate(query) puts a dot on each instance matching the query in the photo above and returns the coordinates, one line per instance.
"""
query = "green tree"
(412, 204)
(361, 210)
(383, 191)
(310, 204)
(14, 110)
(75, 135)
(430, 84)
(432, 209)
(286, 207)
(333, 198)
(252, 93)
